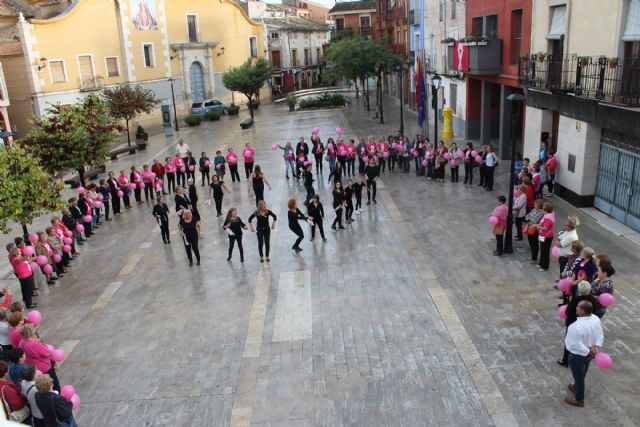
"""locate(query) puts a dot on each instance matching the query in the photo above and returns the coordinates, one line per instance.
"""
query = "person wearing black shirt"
(193, 198)
(308, 184)
(294, 215)
(233, 225)
(86, 210)
(262, 215)
(318, 149)
(316, 212)
(216, 188)
(189, 163)
(338, 205)
(205, 167)
(161, 212)
(113, 188)
(371, 171)
(190, 230)
(357, 190)
(55, 409)
(105, 191)
(348, 198)
(336, 173)
(302, 152)
(258, 180)
(182, 201)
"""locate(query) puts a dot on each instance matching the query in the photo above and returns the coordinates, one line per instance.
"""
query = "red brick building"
(355, 16)
(499, 34)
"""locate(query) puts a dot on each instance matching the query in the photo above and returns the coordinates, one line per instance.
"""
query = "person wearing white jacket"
(520, 209)
(564, 240)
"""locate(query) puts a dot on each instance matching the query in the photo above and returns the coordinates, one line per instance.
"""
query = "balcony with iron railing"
(600, 78)
(91, 84)
(366, 31)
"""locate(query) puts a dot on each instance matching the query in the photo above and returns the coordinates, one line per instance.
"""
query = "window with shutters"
(294, 57)
(192, 28)
(57, 71)
(85, 63)
(113, 70)
(253, 46)
(149, 59)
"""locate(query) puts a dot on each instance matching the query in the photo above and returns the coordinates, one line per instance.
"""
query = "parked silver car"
(200, 108)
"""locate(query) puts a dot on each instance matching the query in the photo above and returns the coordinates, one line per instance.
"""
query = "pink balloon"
(132, 186)
(342, 153)
(603, 360)
(274, 147)
(562, 311)
(307, 163)
(66, 249)
(67, 392)
(493, 220)
(79, 228)
(57, 258)
(453, 163)
(365, 159)
(120, 194)
(34, 265)
(98, 204)
(424, 162)
(33, 237)
(141, 185)
(38, 372)
(48, 269)
(447, 156)
(41, 259)
(152, 175)
(34, 317)
(182, 170)
(478, 159)
(565, 286)
(386, 154)
(81, 190)
(27, 250)
(554, 252)
(402, 149)
(338, 131)
(219, 166)
(75, 401)
(474, 153)
(100, 197)
(606, 299)
(87, 218)
(192, 168)
(68, 240)
(207, 163)
(57, 355)
(68, 233)
(50, 347)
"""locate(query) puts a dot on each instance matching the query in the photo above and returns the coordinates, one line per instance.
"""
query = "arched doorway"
(196, 81)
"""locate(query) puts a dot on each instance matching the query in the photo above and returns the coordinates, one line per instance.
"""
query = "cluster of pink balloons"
(447, 156)
(81, 190)
(69, 393)
(33, 238)
(315, 131)
(28, 251)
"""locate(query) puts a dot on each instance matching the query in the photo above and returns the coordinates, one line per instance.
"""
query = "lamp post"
(436, 80)
(516, 100)
(173, 100)
(400, 71)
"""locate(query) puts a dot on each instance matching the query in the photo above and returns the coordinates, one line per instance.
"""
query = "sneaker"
(368, 203)
(340, 227)
(268, 259)
(311, 239)
(333, 227)
(198, 262)
(542, 269)
(241, 259)
(261, 259)
(358, 213)
(228, 259)
(374, 201)
(573, 401)
(324, 240)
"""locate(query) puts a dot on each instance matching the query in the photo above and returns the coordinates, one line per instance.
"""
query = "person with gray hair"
(567, 236)
(584, 294)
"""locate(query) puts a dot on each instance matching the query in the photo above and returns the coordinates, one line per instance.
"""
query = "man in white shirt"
(583, 338)
(490, 163)
(182, 149)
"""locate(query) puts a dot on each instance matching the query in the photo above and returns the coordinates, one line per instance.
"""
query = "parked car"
(200, 108)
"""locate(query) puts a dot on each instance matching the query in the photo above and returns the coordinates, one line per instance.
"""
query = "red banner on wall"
(460, 57)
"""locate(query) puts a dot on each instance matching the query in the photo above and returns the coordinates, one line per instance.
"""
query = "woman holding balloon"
(468, 159)
(318, 150)
(331, 154)
(498, 219)
(43, 257)
(20, 261)
(602, 284)
(39, 354)
(55, 408)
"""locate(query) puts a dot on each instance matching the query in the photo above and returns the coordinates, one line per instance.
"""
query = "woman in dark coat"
(294, 216)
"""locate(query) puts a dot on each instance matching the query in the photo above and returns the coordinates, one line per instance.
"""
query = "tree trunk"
(356, 82)
(81, 175)
(250, 107)
(128, 134)
(25, 234)
(365, 90)
(380, 97)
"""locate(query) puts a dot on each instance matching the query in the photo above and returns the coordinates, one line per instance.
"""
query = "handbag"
(19, 415)
(71, 422)
(498, 229)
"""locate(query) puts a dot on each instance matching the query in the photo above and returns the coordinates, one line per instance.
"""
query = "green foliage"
(358, 58)
(127, 102)
(140, 131)
(26, 190)
(338, 35)
(193, 120)
(248, 78)
(213, 115)
(326, 100)
(291, 100)
(72, 137)
(233, 108)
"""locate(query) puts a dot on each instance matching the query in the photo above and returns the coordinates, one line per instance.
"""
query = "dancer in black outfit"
(161, 212)
(257, 181)
(216, 188)
(336, 174)
(233, 225)
(294, 216)
(182, 201)
(193, 198)
(190, 165)
(205, 168)
(468, 164)
(190, 230)
(113, 188)
(318, 150)
(371, 171)
(338, 205)
(262, 215)
(357, 190)
(348, 199)
(308, 184)
(316, 212)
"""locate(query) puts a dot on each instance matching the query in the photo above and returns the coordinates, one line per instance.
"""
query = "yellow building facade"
(93, 44)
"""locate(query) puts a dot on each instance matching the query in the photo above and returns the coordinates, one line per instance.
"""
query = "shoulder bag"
(71, 422)
(19, 415)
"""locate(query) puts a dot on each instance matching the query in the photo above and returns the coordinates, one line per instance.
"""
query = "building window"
(476, 25)
(253, 46)
(516, 35)
(192, 28)
(441, 10)
(453, 96)
(149, 58)
(113, 70)
(365, 22)
(306, 57)
(275, 58)
(294, 57)
(453, 9)
(85, 64)
(339, 24)
(274, 35)
(318, 56)
(57, 71)
(416, 41)
(491, 26)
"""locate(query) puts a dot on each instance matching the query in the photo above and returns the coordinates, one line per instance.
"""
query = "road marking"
(145, 245)
(130, 265)
(106, 296)
(293, 308)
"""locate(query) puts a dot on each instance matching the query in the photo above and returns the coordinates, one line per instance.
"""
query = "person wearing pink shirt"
(123, 182)
(331, 153)
(382, 147)
(352, 152)
(22, 268)
(249, 157)
(16, 322)
(181, 170)
(500, 212)
(148, 179)
(136, 178)
(158, 169)
(545, 235)
(232, 160)
(170, 171)
(38, 354)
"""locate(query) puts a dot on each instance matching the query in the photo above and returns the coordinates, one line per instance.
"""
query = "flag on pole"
(420, 91)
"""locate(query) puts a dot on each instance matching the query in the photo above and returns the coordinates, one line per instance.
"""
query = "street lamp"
(400, 70)
(516, 100)
(436, 80)
(173, 98)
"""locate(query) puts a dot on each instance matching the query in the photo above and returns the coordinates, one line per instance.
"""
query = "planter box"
(141, 144)
(233, 112)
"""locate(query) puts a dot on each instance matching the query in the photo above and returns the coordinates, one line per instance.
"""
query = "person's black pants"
(105, 205)
(54, 376)
(454, 174)
(468, 173)
(489, 170)
(26, 286)
(349, 210)
(318, 163)
(534, 245)
(116, 204)
(338, 220)
(382, 162)
(232, 241)
(563, 262)
(500, 243)
(204, 173)
(358, 201)
(234, 173)
(138, 194)
(259, 195)
(298, 231)
(171, 182)
(264, 237)
(545, 248)
(218, 200)
(440, 172)
(351, 167)
(483, 179)
(164, 231)
(148, 192)
(4, 352)
(182, 178)
(371, 187)
(87, 229)
(320, 226)
(550, 182)
(192, 246)
(519, 221)
(310, 193)
(248, 169)
(361, 166)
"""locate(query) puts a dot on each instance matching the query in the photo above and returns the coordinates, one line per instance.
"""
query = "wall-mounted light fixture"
(221, 52)
(43, 63)
(174, 55)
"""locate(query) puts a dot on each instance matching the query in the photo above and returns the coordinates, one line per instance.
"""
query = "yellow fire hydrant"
(447, 123)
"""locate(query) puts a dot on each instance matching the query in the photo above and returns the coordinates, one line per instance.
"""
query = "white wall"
(536, 122)
(581, 139)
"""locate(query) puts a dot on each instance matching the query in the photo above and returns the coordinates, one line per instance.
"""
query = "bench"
(90, 174)
(246, 123)
(113, 154)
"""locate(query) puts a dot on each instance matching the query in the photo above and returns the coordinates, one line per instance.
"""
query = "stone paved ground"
(403, 319)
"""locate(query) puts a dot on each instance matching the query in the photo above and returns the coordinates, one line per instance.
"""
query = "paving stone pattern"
(413, 322)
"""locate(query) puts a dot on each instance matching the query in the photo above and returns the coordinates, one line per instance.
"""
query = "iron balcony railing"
(600, 78)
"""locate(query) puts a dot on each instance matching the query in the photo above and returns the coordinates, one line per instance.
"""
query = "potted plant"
(613, 62)
(213, 115)
(291, 101)
(141, 138)
(584, 61)
(233, 109)
(449, 41)
(255, 104)
(193, 120)
(540, 56)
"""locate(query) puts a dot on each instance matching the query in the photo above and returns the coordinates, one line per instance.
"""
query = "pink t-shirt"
(248, 154)
(548, 221)
(37, 354)
(232, 159)
(501, 212)
(21, 268)
(15, 338)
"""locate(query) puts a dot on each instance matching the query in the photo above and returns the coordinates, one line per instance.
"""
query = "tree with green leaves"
(126, 102)
(386, 62)
(248, 78)
(26, 189)
(72, 137)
